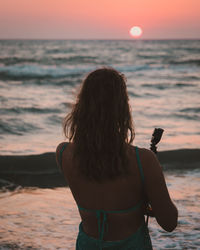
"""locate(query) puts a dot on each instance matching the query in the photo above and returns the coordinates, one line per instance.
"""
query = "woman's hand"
(149, 211)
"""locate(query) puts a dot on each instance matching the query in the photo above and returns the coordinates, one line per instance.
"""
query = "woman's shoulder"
(148, 159)
(64, 145)
(143, 152)
(60, 149)
(146, 153)
(61, 145)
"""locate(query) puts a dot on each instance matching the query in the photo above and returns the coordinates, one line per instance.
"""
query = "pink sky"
(102, 19)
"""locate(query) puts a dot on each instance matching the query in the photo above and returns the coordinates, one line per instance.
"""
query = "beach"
(35, 218)
(38, 210)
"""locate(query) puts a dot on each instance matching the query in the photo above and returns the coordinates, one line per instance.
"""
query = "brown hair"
(99, 124)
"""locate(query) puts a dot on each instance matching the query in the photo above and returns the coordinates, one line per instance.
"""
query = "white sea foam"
(37, 77)
(49, 219)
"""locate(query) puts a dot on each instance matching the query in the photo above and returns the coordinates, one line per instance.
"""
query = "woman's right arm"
(156, 190)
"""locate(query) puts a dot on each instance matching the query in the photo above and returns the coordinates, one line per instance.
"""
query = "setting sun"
(135, 31)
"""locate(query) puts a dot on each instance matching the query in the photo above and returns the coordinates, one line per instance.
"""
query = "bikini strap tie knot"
(101, 228)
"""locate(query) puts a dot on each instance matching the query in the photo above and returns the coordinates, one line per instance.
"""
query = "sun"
(136, 31)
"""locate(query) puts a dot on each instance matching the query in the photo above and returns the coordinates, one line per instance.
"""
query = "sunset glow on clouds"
(105, 19)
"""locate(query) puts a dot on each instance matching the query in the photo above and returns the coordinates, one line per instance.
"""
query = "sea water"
(49, 218)
(39, 80)
(38, 84)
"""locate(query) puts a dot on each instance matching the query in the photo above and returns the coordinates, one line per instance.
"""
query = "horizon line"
(100, 39)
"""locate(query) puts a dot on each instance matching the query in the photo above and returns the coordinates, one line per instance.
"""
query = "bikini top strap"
(139, 164)
(61, 152)
(113, 211)
(104, 222)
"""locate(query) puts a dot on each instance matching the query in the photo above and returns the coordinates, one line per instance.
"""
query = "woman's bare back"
(118, 194)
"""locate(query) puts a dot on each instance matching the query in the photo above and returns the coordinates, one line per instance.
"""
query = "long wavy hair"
(100, 126)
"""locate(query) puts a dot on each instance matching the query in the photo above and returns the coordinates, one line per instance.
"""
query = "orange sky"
(102, 19)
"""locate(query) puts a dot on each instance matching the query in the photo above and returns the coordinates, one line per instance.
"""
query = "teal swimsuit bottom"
(138, 240)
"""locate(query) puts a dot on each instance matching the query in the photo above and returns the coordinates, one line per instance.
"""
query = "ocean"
(39, 80)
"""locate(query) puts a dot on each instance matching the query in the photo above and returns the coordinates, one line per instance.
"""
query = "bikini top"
(104, 212)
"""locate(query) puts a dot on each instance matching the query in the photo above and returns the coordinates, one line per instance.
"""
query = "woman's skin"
(121, 193)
